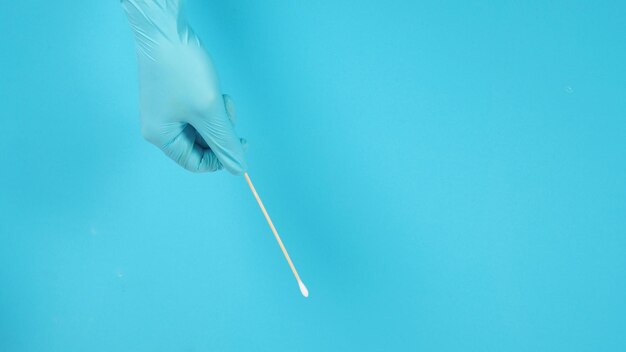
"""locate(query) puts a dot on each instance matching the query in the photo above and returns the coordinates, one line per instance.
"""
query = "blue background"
(448, 176)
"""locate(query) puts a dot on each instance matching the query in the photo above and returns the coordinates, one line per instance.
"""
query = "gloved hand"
(183, 111)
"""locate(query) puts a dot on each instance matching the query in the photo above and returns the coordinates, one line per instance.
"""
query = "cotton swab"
(303, 288)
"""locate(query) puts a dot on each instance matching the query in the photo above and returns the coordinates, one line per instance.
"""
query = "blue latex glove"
(183, 111)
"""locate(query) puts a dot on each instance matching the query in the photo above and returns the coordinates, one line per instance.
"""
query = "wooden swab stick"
(303, 288)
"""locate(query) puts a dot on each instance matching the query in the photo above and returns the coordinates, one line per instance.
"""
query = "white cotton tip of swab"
(303, 289)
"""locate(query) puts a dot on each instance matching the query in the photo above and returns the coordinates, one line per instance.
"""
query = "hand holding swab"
(303, 288)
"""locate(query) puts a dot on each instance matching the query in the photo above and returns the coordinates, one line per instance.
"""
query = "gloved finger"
(218, 132)
(230, 111)
(184, 150)
(230, 108)
(200, 141)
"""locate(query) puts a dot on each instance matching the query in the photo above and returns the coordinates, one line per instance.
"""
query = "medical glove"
(183, 111)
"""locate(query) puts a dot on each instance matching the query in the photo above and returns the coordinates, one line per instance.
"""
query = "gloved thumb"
(218, 132)
(229, 105)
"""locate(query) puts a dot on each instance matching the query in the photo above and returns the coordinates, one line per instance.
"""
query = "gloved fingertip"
(235, 164)
(238, 170)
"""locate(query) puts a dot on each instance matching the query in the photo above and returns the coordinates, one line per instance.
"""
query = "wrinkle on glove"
(183, 111)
